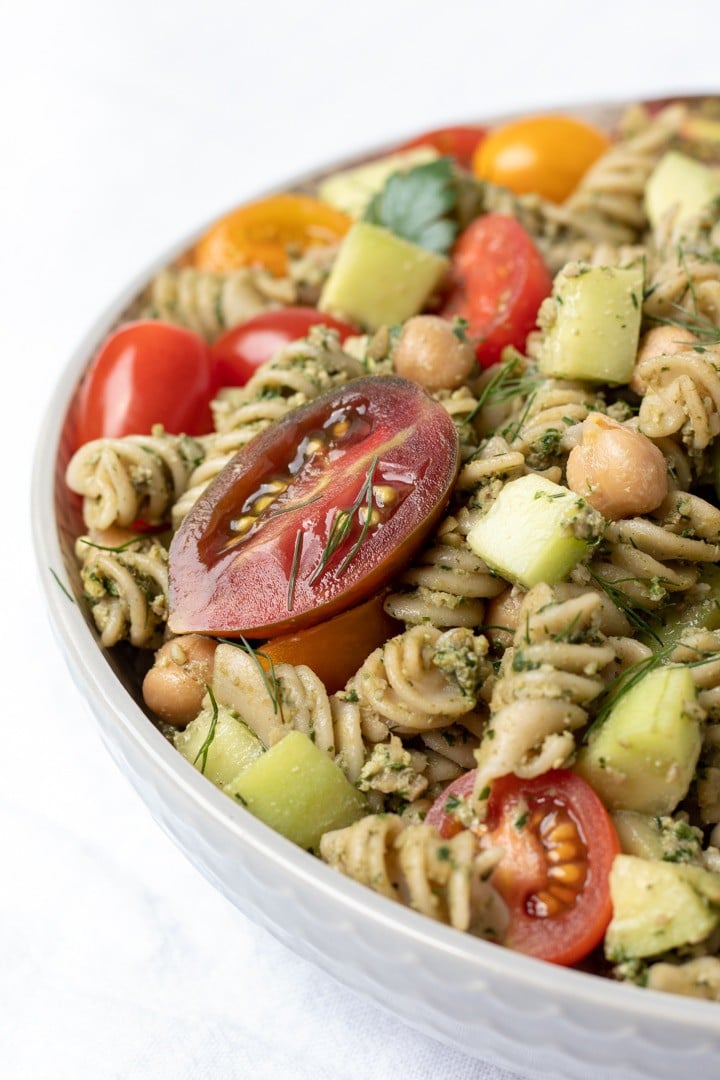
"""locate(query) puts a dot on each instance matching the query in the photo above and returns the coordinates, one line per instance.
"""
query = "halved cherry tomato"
(335, 649)
(146, 373)
(316, 513)
(498, 281)
(238, 352)
(544, 154)
(459, 142)
(260, 233)
(559, 844)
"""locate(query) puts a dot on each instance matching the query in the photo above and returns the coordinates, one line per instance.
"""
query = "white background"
(124, 125)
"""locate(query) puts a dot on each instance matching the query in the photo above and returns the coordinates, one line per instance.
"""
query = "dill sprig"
(503, 386)
(203, 751)
(294, 570)
(118, 549)
(623, 683)
(703, 328)
(70, 597)
(637, 615)
(270, 680)
(342, 524)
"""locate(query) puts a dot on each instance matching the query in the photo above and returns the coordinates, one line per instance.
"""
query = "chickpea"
(431, 353)
(660, 341)
(617, 470)
(175, 685)
(503, 611)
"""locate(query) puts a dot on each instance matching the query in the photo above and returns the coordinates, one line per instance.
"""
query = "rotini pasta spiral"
(547, 680)
(411, 864)
(422, 679)
(127, 590)
(138, 476)
(681, 396)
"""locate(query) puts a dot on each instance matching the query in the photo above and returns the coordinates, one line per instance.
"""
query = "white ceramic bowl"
(480, 998)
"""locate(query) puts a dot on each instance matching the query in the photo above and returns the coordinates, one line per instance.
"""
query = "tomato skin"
(335, 649)
(239, 352)
(259, 233)
(567, 936)
(243, 565)
(147, 372)
(459, 141)
(548, 155)
(498, 281)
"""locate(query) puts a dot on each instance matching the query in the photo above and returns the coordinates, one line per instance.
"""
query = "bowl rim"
(96, 680)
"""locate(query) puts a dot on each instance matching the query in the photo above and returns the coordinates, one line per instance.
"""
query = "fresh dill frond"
(256, 655)
(70, 597)
(203, 751)
(638, 616)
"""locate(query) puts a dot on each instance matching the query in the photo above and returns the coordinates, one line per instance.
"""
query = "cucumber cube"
(352, 189)
(643, 756)
(379, 279)
(593, 330)
(682, 184)
(229, 747)
(658, 906)
(531, 532)
(296, 789)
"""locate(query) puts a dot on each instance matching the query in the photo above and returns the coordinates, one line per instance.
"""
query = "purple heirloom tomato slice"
(315, 514)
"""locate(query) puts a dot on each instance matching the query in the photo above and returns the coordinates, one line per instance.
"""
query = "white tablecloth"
(124, 126)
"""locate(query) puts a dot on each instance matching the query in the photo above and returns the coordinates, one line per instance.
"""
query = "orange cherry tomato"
(544, 154)
(335, 649)
(260, 233)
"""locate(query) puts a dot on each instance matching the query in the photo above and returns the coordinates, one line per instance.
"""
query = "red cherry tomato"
(147, 373)
(459, 142)
(241, 350)
(498, 281)
(316, 513)
(559, 846)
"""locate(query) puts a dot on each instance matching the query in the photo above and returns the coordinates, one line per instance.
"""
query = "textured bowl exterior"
(487, 1001)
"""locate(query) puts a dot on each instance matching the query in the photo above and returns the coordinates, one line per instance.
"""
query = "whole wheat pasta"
(135, 477)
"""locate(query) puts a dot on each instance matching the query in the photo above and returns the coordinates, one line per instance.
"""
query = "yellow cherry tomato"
(262, 232)
(543, 154)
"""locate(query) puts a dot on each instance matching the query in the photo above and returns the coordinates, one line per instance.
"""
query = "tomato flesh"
(316, 513)
(559, 844)
(133, 383)
(459, 141)
(238, 353)
(498, 281)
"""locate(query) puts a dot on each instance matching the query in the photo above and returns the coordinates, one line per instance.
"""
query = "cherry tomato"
(147, 373)
(544, 154)
(335, 649)
(497, 281)
(316, 513)
(459, 142)
(261, 232)
(241, 350)
(559, 845)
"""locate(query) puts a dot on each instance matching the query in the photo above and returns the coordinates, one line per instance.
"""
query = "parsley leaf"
(416, 205)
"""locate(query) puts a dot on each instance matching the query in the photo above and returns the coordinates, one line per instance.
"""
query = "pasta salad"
(401, 494)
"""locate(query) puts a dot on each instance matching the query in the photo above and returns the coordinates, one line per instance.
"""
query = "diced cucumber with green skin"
(659, 906)
(530, 533)
(296, 789)
(379, 279)
(682, 184)
(593, 328)
(231, 746)
(643, 756)
(352, 189)
(657, 837)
